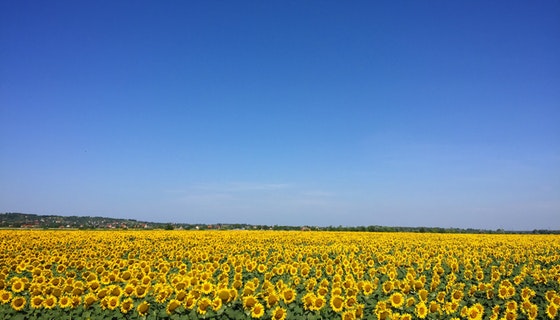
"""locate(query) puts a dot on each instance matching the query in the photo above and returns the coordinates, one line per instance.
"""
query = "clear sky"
(396, 113)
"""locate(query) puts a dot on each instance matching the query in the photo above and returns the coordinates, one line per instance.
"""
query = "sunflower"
(143, 308)
(180, 295)
(65, 302)
(387, 287)
(217, 304)
(421, 310)
(551, 310)
(556, 300)
(232, 294)
(337, 303)
(127, 305)
(457, 295)
(206, 287)
(49, 302)
(94, 285)
(397, 300)
(511, 306)
(527, 293)
(128, 290)
(190, 301)
(319, 303)
(474, 313)
(510, 315)
(257, 311)
(90, 299)
(113, 303)
(237, 284)
(223, 294)
(102, 293)
(533, 312)
(433, 307)
(249, 302)
(202, 305)
(115, 291)
(336, 291)
(406, 316)
(18, 285)
(350, 302)
(440, 297)
(36, 302)
(279, 313)
(140, 291)
(271, 299)
(288, 295)
(172, 305)
(322, 291)
(18, 303)
(348, 315)
(125, 276)
(5, 296)
(367, 288)
(410, 302)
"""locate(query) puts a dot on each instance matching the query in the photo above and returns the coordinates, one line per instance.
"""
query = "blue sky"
(399, 113)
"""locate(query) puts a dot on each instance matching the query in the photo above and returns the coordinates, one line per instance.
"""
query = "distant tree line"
(25, 220)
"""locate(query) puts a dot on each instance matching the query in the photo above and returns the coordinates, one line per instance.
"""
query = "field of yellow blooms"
(276, 275)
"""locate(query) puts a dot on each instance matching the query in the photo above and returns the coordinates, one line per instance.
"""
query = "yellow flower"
(65, 302)
(551, 310)
(18, 285)
(89, 299)
(217, 304)
(350, 302)
(423, 294)
(348, 315)
(143, 308)
(172, 305)
(5, 296)
(433, 307)
(474, 313)
(421, 310)
(190, 301)
(288, 295)
(49, 302)
(113, 303)
(127, 305)
(141, 291)
(367, 288)
(224, 294)
(203, 304)
(271, 299)
(249, 302)
(457, 295)
(257, 311)
(128, 289)
(387, 287)
(279, 313)
(405, 316)
(397, 300)
(337, 303)
(18, 303)
(319, 303)
(548, 295)
(36, 302)
(207, 287)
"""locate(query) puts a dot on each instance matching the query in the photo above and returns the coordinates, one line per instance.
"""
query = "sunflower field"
(277, 275)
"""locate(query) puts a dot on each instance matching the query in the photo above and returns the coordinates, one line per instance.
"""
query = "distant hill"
(30, 221)
(26, 220)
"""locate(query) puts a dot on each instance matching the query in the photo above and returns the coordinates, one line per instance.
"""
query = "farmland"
(52, 274)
